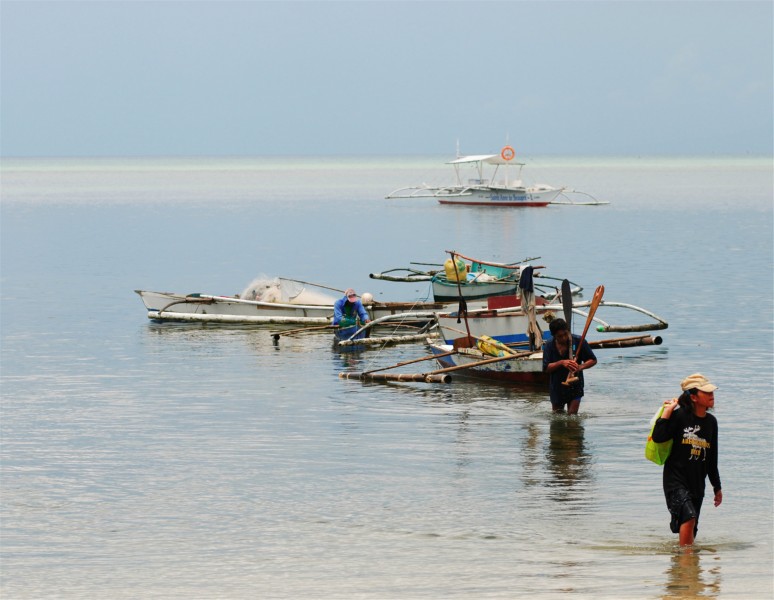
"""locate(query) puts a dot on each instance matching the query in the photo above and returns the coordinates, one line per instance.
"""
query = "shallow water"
(182, 460)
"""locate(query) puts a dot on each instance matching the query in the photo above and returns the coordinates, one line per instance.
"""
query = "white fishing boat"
(277, 301)
(496, 181)
(208, 308)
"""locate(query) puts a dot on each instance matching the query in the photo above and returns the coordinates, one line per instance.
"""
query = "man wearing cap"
(346, 310)
(694, 455)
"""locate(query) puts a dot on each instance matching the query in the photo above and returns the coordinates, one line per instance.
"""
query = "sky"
(254, 78)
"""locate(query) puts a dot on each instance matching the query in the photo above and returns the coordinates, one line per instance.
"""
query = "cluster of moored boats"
(486, 319)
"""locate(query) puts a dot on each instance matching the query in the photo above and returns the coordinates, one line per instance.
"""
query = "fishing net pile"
(285, 291)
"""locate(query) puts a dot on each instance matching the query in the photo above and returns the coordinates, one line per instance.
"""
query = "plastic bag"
(657, 452)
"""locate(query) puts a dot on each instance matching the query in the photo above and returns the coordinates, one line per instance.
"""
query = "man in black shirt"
(694, 455)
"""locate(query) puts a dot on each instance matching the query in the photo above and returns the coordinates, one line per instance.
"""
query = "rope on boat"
(188, 300)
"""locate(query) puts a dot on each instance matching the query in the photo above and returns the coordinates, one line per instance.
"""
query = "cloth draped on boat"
(528, 304)
(462, 310)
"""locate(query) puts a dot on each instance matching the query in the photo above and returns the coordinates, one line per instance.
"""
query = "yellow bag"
(492, 347)
(455, 270)
(657, 452)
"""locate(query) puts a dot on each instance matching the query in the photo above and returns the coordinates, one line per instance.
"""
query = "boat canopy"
(490, 159)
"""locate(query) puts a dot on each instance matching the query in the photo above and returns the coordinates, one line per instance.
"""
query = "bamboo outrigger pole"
(487, 361)
(627, 342)
(462, 310)
(437, 376)
(494, 264)
(420, 377)
(408, 362)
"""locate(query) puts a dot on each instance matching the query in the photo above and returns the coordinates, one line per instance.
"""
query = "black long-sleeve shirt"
(694, 453)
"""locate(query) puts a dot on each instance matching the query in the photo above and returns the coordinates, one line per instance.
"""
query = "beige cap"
(699, 382)
(350, 292)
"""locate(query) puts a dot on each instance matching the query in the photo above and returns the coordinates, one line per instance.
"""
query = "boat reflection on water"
(686, 578)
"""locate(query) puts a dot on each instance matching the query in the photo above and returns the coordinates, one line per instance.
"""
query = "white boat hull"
(487, 196)
(447, 291)
(164, 306)
(510, 326)
(506, 328)
(526, 369)
(167, 306)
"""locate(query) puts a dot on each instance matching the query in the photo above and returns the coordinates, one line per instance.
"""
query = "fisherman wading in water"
(559, 362)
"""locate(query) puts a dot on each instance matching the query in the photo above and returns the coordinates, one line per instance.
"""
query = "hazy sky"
(113, 78)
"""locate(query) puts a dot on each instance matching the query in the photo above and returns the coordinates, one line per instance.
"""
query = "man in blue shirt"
(346, 310)
(559, 361)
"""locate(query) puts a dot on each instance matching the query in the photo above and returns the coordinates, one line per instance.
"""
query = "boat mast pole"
(462, 310)
(456, 166)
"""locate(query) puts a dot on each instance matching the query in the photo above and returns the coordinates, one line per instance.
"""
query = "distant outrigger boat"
(485, 190)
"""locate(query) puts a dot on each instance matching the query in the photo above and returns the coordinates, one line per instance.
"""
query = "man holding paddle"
(565, 357)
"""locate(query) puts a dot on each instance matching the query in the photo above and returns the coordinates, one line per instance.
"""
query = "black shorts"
(567, 394)
(683, 506)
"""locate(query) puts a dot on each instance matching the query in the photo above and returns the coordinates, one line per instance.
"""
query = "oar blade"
(567, 302)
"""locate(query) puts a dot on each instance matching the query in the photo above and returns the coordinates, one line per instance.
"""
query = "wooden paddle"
(595, 301)
(567, 308)
(567, 303)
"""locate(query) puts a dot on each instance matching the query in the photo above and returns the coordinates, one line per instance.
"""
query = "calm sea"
(182, 461)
